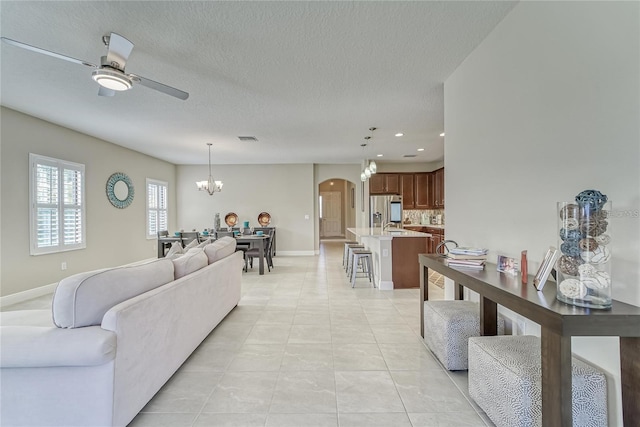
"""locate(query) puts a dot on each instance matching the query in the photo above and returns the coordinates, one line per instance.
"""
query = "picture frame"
(507, 265)
(547, 265)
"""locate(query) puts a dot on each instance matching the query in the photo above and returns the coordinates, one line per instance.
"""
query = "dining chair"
(221, 233)
(254, 252)
(189, 236)
(163, 233)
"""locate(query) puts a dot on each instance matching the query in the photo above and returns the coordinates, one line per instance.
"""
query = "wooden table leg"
(630, 378)
(488, 317)
(424, 295)
(458, 291)
(556, 379)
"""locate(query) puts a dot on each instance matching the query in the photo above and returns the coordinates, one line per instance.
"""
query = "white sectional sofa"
(117, 336)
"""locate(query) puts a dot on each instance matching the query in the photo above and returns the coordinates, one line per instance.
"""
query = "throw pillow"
(221, 248)
(176, 249)
(205, 243)
(191, 244)
(192, 261)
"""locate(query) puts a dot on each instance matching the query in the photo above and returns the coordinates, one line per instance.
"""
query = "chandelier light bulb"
(367, 172)
(363, 177)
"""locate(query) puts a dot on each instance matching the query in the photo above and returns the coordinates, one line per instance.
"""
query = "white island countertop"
(387, 234)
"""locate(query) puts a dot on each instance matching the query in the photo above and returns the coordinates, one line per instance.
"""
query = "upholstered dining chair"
(221, 233)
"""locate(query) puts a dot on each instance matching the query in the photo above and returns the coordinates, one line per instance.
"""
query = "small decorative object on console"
(584, 269)
(524, 267)
(507, 265)
(545, 268)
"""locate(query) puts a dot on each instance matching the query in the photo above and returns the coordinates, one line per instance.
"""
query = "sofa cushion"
(221, 248)
(193, 260)
(83, 299)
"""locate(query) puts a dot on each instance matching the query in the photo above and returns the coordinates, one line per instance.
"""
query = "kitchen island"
(395, 255)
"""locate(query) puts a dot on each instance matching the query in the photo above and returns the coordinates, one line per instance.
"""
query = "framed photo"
(507, 265)
(547, 265)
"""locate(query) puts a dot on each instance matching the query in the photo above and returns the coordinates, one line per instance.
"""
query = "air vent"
(248, 138)
(409, 155)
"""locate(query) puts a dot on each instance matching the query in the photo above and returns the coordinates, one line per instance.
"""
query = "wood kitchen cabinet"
(384, 183)
(408, 191)
(423, 190)
(438, 188)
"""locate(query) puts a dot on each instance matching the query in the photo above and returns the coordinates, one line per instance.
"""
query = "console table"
(558, 321)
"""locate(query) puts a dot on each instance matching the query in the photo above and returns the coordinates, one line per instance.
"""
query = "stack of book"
(471, 258)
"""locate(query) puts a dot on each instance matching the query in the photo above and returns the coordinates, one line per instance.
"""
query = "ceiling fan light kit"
(112, 79)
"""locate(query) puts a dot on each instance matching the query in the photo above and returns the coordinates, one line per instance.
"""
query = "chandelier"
(371, 168)
(210, 186)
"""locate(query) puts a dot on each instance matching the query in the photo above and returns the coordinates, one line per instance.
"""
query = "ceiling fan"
(110, 73)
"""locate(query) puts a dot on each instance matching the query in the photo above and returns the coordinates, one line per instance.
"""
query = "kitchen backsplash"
(416, 215)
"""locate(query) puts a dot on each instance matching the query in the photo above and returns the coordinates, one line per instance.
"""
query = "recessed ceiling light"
(420, 149)
(399, 134)
(442, 134)
(378, 155)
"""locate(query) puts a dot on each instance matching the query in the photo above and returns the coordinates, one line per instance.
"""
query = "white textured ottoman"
(447, 328)
(505, 381)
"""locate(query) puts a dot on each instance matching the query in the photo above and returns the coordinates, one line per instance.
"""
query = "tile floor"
(304, 349)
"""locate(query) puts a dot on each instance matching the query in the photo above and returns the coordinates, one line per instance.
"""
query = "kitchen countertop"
(389, 233)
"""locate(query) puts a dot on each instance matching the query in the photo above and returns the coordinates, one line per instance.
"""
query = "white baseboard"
(386, 285)
(295, 253)
(27, 295)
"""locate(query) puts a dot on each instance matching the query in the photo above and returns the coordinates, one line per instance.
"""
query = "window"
(157, 215)
(57, 213)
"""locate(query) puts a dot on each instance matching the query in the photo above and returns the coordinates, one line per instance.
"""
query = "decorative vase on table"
(584, 268)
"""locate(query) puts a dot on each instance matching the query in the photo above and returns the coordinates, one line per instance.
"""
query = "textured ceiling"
(308, 79)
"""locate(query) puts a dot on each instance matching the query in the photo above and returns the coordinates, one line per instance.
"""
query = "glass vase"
(584, 267)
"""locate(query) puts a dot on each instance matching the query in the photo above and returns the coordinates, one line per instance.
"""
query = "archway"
(336, 208)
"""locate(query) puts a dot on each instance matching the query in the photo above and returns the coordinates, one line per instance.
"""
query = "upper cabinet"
(438, 188)
(384, 183)
(408, 190)
(424, 190)
(420, 190)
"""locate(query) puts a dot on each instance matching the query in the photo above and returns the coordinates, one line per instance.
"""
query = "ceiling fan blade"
(103, 91)
(160, 87)
(119, 51)
(47, 52)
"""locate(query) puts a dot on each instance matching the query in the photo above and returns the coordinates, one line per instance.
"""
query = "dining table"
(251, 239)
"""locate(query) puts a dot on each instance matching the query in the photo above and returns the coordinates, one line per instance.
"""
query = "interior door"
(331, 213)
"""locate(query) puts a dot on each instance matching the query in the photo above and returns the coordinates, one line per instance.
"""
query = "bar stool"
(362, 257)
(350, 249)
(346, 251)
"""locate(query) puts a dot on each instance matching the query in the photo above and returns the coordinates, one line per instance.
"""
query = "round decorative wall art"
(120, 190)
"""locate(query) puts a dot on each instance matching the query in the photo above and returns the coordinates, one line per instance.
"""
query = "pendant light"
(210, 186)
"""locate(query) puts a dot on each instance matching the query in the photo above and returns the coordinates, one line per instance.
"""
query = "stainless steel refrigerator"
(385, 209)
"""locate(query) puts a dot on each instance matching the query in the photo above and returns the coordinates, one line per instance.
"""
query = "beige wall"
(114, 236)
(284, 191)
(545, 107)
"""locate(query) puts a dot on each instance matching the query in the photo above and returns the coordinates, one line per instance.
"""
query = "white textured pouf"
(505, 381)
(447, 328)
